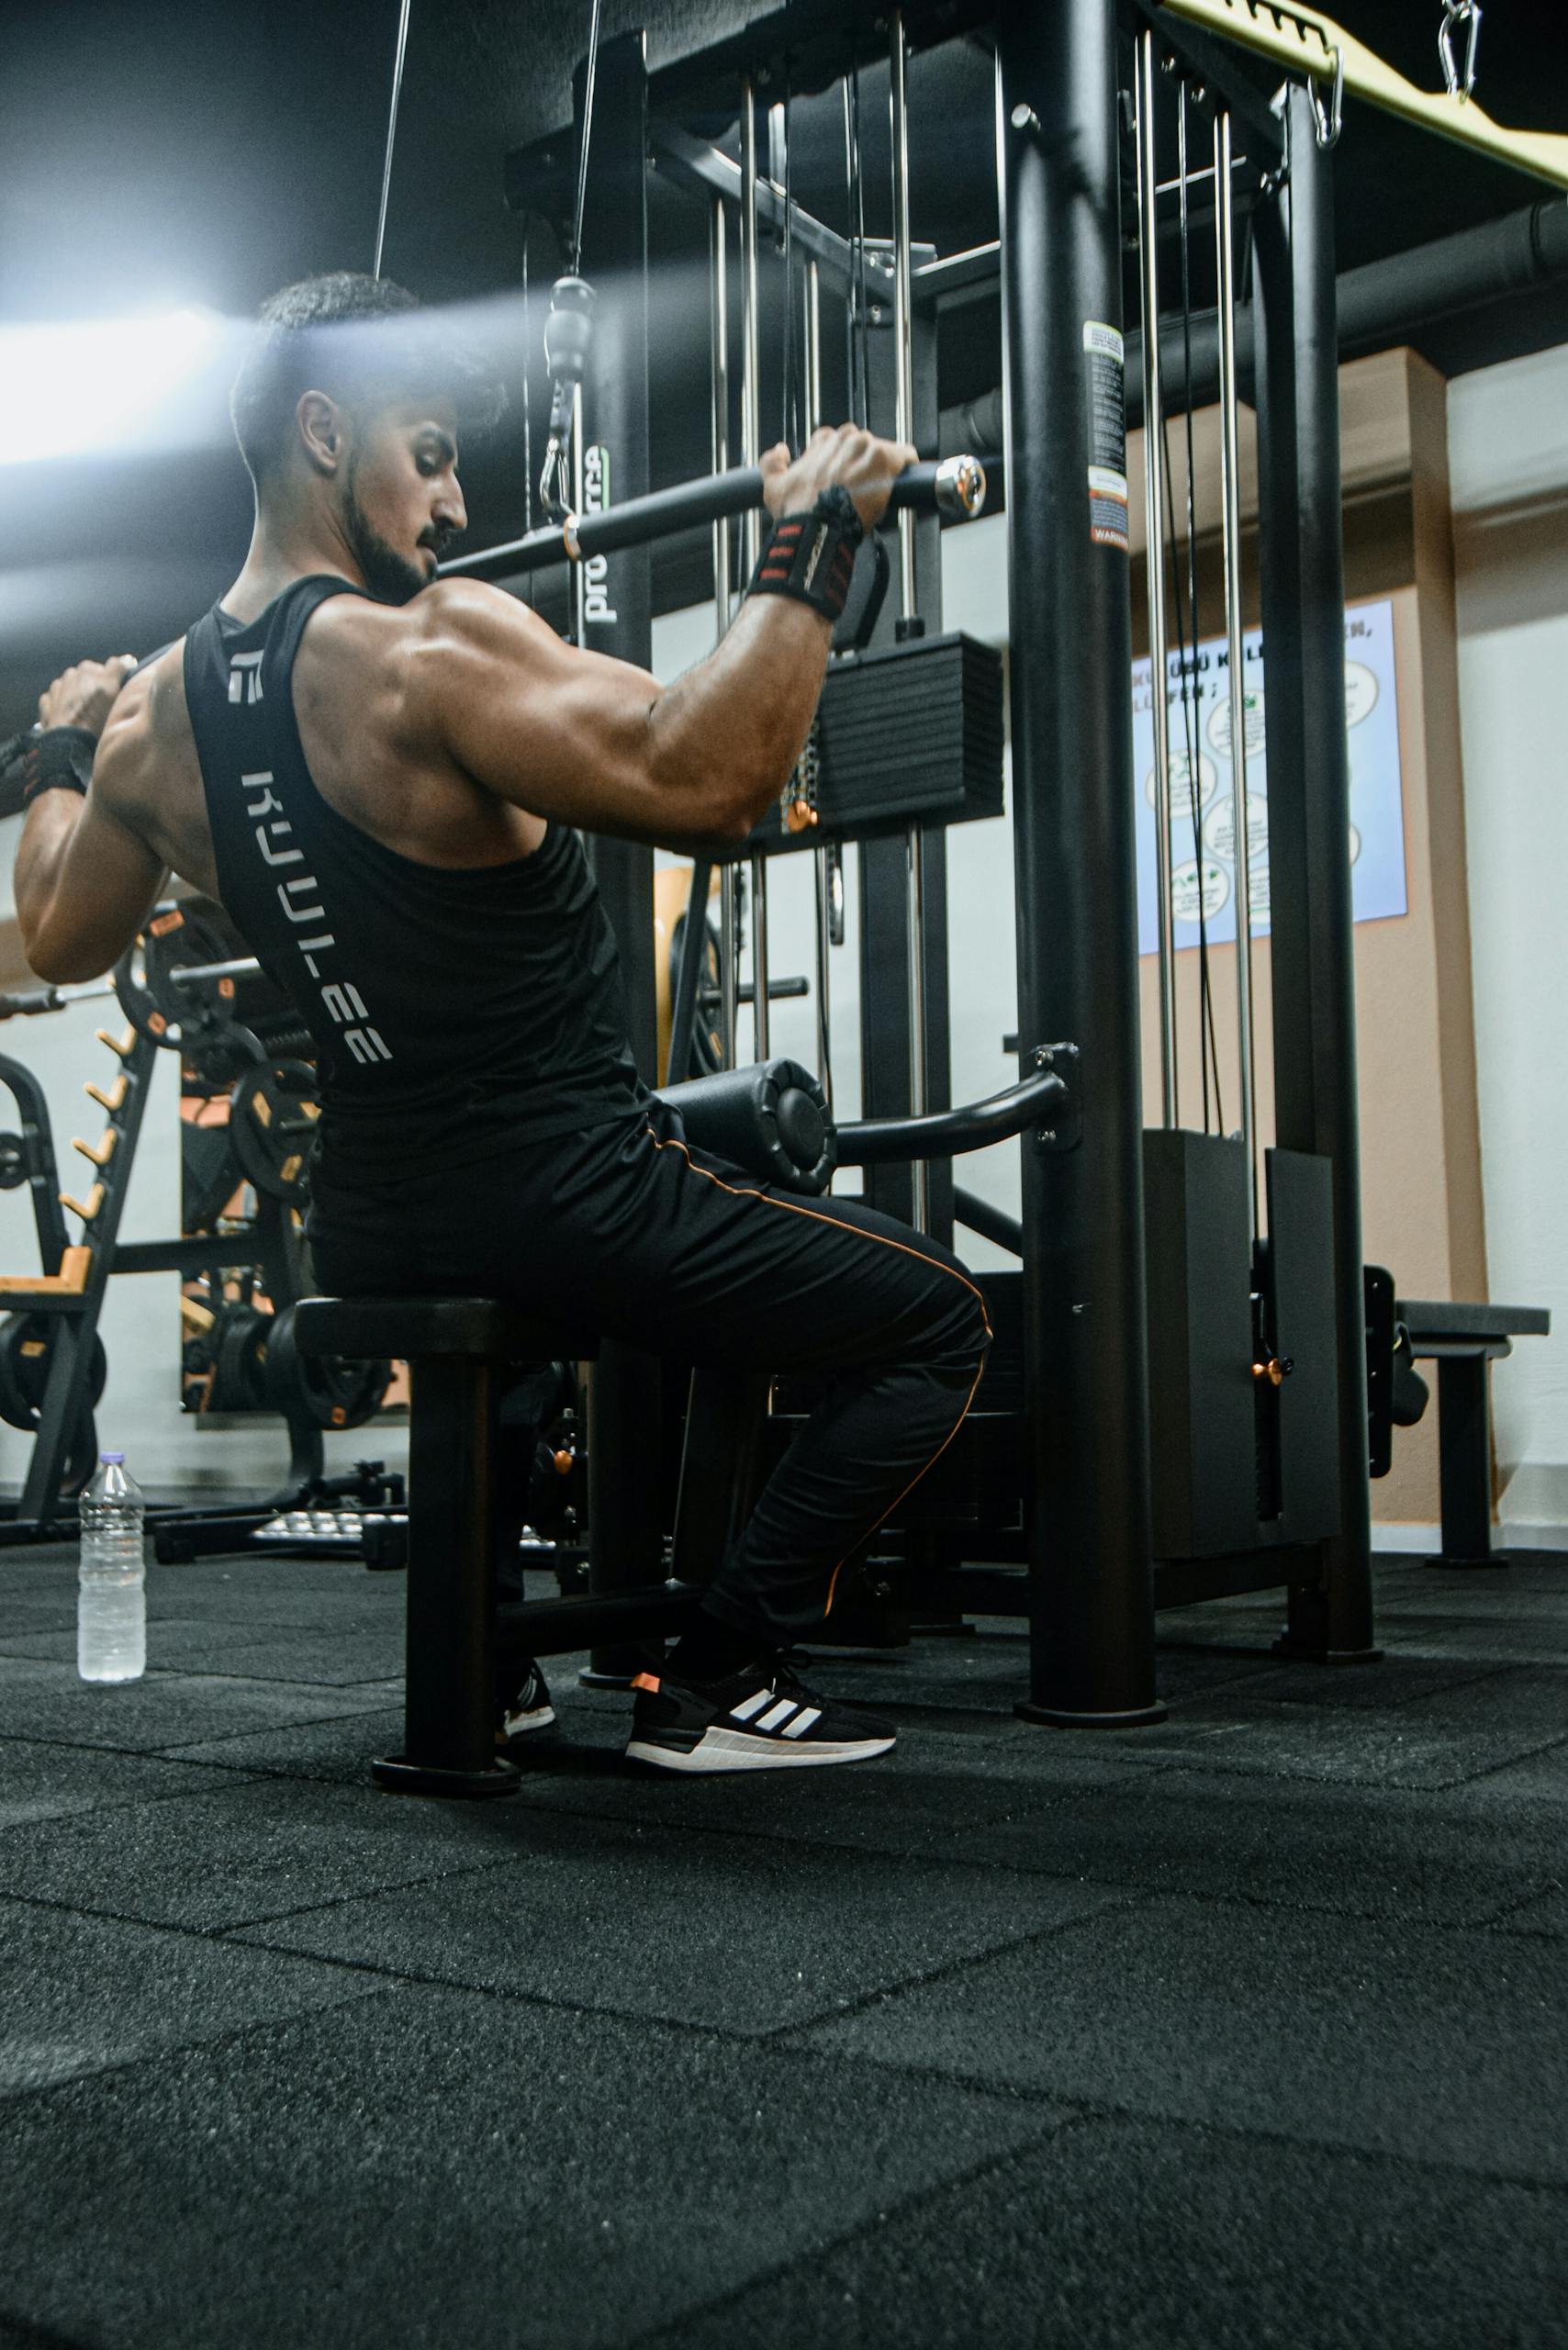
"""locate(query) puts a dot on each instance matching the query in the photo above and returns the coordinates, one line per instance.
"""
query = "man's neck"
(281, 552)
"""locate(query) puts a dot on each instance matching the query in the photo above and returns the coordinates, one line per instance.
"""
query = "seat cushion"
(415, 1326)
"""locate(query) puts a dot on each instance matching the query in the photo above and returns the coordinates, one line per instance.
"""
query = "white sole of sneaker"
(518, 1725)
(732, 1750)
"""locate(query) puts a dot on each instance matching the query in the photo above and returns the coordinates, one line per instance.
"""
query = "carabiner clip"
(1329, 120)
(1457, 13)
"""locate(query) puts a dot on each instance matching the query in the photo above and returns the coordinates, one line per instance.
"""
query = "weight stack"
(908, 733)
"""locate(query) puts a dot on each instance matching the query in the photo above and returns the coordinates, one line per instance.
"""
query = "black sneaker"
(528, 1709)
(759, 1719)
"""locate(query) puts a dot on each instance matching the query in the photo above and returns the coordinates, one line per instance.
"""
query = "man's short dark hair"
(363, 341)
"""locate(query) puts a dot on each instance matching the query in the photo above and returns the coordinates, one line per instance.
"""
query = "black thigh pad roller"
(771, 1118)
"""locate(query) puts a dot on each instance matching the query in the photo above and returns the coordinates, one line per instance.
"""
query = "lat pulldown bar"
(953, 485)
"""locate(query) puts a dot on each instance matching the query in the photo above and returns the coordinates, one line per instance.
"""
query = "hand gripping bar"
(954, 485)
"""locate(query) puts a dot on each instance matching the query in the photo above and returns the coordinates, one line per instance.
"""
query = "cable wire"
(587, 132)
(391, 133)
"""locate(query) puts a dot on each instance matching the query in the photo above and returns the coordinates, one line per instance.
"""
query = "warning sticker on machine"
(1105, 357)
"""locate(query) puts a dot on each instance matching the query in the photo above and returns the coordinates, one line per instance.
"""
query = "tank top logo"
(300, 897)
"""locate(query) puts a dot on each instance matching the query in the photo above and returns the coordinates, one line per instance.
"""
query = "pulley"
(569, 338)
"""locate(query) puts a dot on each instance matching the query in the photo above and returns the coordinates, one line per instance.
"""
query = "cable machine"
(1178, 1404)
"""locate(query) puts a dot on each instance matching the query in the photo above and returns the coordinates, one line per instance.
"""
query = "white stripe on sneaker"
(803, 1721)
(752, 1705)
(779, 1713)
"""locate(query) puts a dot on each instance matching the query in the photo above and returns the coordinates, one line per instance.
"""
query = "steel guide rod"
(1230, 494)
(751, 539)
(903, 428)
(812, 418)
(723, 598)
(1154, 518)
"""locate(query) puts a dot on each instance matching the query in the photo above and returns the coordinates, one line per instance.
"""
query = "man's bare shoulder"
(471, 613)
(149, 721)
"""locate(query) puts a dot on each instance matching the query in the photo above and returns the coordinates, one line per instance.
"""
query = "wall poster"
(1202, 847)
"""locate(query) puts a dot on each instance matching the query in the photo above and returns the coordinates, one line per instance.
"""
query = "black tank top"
(450, 1011)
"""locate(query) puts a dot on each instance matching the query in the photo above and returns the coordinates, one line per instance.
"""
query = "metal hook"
(1328, 121)
(1457, 13)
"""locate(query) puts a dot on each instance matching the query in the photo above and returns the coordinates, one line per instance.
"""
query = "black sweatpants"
(656, 1244)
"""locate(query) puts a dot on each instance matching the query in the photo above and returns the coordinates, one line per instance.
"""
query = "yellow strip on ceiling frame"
(1304, 40)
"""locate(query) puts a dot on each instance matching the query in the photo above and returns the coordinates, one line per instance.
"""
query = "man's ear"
(320, 424)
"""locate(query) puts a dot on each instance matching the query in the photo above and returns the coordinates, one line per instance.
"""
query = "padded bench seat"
(1462, 1336)
(413, 1328)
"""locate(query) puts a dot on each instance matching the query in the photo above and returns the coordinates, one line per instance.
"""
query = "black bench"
(459, 1352)
(1462, 1339)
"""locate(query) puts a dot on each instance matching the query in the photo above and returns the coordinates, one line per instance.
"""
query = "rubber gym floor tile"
(1437, 1740)
(427, 2169)
(46, 1701)
(1548, 1914)
(337, 1659)
(173, 1643)
(79, 1994)
(746, 1934)
(1441, 2046)
(338, 1751)
(45, 1781)
(1111, 2236)
(1396, 1680)
(247, 1852)
(1352, 1850)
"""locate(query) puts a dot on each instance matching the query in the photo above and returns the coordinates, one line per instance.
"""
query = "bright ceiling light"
(71, 389)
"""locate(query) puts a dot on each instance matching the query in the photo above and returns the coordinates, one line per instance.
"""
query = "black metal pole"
(625, 1415)
(1087, 1491)
(1311, 918)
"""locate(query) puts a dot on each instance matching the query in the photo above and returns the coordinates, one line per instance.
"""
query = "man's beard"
(390, 577)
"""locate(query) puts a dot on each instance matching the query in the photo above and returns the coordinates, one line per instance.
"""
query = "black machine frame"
(1121, 1231)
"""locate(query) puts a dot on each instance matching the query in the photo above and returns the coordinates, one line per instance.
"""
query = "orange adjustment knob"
(564, 1464)
(1274, 1370)
(799, 816)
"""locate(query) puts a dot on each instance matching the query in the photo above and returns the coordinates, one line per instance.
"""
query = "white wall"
(1508, 465)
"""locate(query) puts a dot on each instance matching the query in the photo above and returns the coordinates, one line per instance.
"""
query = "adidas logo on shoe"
(761, 1720)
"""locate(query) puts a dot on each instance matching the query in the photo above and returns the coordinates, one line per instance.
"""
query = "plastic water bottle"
(111, 1606)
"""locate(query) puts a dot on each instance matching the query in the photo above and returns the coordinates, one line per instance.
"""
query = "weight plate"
(273, 1112)
(336, 1390)
(27, 1342)
(184, 1018)
(707, 1044)
(239, 1341)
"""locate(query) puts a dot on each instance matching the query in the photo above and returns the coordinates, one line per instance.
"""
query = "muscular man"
(380, 775)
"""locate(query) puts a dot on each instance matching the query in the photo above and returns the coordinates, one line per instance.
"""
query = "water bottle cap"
(112, 1460)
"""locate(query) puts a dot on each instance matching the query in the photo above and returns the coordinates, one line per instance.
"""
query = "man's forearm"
(46, 836)
(750, 705)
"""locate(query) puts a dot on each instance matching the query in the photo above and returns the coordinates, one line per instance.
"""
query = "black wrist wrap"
(811, 557)
(60, 760)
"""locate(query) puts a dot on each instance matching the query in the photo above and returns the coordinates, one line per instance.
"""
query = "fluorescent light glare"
(67, 390)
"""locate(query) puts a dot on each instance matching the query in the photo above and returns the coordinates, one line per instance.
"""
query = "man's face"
(401, 498)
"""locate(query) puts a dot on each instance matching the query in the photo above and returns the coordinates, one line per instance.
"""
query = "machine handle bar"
(953, 485)
(945, 1134)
